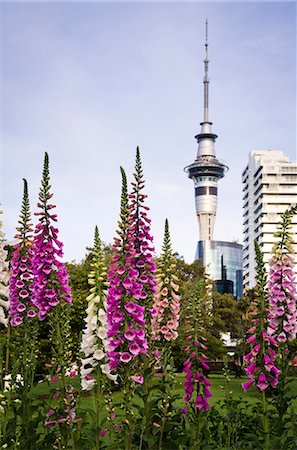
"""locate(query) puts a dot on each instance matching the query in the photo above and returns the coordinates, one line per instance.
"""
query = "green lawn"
(219, 386)
(218, 389)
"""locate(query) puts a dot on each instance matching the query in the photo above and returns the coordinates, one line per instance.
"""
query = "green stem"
(162, 431)
(98, 406)
(165, 358)
(265, 421)
(7, 355)
(60, 364)
(145, 412)
(282, 402)
(110, 409)
(58, 347)
(196, 441)
(26, 383)
(127, 403)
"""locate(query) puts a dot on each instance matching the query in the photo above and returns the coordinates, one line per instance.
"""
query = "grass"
(87, 402)
(218, 390)
(219, 386)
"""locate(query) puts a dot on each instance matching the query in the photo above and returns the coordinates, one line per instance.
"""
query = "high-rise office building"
(223, 262)
(269, 188)
(206, 171)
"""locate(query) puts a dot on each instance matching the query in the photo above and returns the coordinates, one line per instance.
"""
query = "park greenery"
(123, 350)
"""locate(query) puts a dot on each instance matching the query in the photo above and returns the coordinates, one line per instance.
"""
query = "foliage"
(78, 282)
(145, 336)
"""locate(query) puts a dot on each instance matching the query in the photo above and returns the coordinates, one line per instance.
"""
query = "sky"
(89, 81)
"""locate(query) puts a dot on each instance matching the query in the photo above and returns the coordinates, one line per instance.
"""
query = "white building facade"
(269, 188)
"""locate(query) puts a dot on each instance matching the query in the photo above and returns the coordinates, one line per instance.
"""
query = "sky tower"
(206, 170)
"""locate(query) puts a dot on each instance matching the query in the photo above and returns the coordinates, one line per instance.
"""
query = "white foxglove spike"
(94, 343)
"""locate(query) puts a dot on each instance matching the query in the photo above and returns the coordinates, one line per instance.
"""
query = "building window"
(201, 190)
(213, 190)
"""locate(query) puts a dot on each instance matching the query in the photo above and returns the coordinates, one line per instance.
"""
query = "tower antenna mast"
(206, 79)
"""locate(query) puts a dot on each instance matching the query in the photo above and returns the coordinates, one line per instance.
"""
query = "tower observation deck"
(206, 170)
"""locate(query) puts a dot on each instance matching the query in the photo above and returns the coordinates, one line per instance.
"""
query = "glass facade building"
(220, 257)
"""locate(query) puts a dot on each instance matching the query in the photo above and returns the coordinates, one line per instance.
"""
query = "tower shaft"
(206, 170)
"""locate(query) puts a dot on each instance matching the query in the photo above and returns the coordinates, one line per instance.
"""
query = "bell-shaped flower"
(262, 383)
(248, 384)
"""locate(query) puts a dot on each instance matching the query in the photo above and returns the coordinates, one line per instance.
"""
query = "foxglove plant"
(50, 275)
(261, 369)
(164, 324)
(61, 420)
(22, 309)
(197, 315)
(21, 280)
(165, 321)
(141, 241)
(94, 345)
(4, 278)
(282, 319)
(143, 264)
(52, 297)
(125, 314)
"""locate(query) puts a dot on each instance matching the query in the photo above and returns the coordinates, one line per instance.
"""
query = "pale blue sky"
(88, 82)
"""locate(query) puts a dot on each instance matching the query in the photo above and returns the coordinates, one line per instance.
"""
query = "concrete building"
(206, 171)
(269, 188)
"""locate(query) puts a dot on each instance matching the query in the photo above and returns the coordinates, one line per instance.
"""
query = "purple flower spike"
(50, 275)
(128, 295)
(141, 242)
(195, 365)
(21, 305)
(282, 296)
(261, 369)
